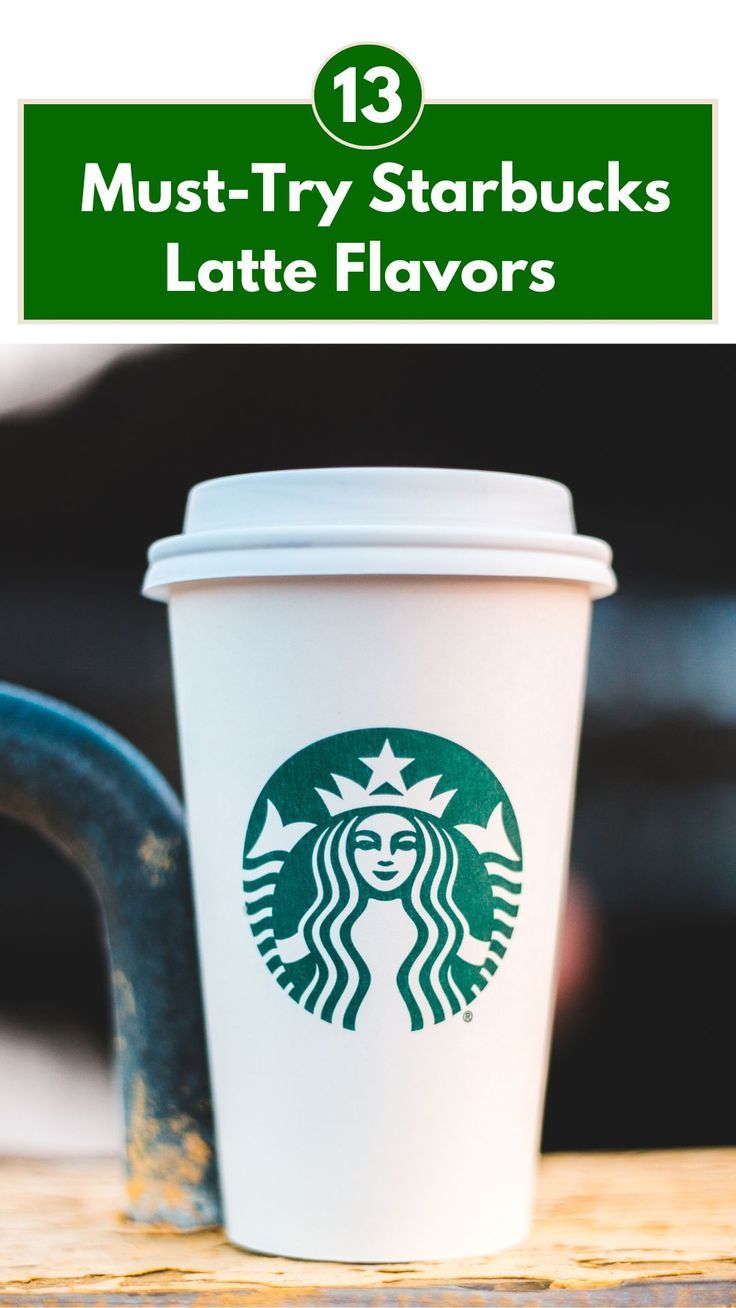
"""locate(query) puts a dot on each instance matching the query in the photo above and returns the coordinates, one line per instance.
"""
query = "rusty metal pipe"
(88, 791)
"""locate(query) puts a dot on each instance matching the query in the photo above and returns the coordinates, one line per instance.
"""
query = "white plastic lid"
(363, 521)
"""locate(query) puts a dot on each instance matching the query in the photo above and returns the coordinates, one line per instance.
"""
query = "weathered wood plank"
(621, 1229)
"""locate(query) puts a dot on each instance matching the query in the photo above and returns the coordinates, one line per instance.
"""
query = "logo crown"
(386, 770)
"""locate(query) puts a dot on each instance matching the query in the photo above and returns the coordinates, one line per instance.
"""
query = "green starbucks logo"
(376, 815)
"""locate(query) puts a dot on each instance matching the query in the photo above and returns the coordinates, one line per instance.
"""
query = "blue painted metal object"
(89, 791)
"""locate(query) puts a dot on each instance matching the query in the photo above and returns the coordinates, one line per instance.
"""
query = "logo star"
(386, 769)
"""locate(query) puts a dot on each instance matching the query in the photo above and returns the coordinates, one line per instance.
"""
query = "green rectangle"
(606, 265)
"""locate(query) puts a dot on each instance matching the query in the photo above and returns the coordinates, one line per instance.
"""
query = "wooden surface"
(634, 1229)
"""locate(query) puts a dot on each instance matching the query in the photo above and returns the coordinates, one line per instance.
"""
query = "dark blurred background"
(644, 1044)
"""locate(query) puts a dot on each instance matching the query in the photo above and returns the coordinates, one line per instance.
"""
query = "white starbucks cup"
(379, 679)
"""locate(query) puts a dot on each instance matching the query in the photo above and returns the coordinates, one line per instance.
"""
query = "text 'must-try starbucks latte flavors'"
(379, 679)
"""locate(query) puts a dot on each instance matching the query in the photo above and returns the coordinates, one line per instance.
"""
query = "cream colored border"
(535, 322)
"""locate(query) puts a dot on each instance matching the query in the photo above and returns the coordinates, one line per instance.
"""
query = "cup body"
(406, 1127)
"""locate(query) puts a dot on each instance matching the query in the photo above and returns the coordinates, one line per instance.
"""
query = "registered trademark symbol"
(467, 1015)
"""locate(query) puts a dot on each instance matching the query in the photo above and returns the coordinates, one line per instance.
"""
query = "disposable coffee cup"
(379, 678)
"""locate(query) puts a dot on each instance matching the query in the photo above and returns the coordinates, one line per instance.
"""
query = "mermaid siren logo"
(399, 829)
